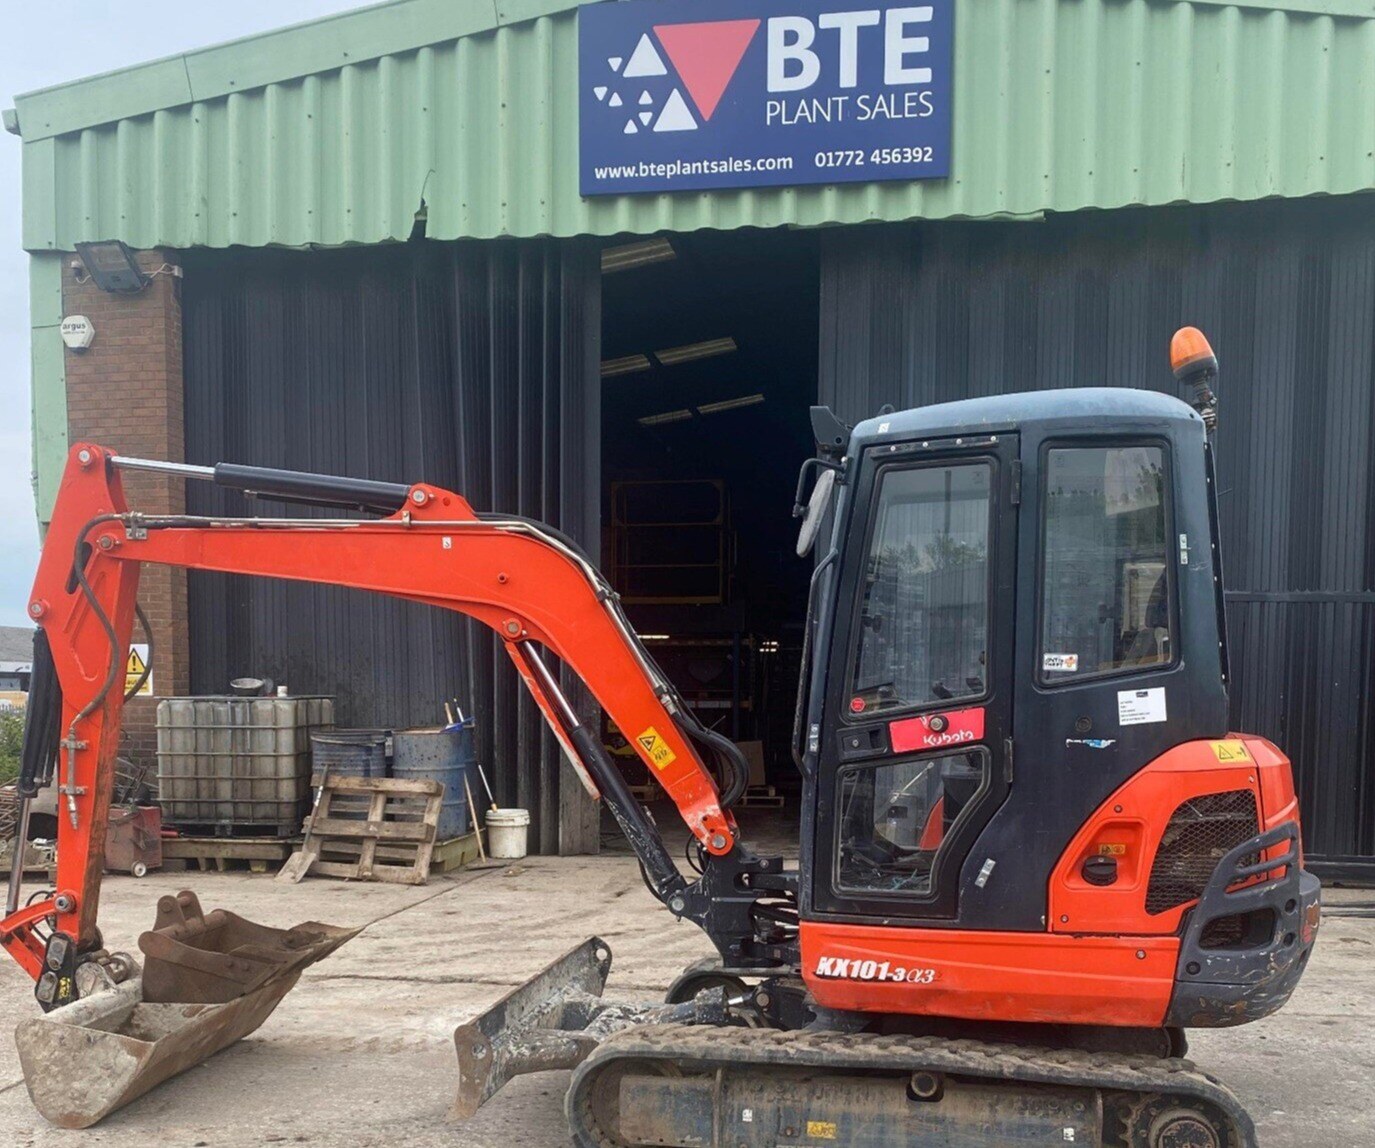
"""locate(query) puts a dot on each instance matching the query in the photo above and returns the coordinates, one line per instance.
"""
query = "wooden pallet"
(454, 853)
(376, 829)
(761, 797)
(234, 830)
(224, 854)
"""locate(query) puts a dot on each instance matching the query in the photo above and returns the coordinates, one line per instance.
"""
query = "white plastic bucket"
(507, 830)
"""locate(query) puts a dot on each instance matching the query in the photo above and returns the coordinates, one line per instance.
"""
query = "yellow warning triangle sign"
(135, 667)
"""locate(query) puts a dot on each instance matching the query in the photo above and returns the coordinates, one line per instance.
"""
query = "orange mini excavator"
(1031, 851)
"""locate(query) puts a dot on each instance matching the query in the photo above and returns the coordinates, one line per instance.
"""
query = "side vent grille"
(1200, 833)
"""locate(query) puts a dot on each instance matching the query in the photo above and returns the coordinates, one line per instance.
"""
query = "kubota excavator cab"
(1022, 797)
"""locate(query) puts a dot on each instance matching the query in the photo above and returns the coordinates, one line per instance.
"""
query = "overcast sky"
(42, 46)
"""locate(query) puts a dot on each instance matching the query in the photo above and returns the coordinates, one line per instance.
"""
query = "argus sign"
(688, 95)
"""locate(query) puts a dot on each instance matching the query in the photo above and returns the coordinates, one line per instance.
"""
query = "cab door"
(914, 750)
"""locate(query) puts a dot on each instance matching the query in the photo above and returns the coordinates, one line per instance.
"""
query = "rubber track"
(713, 1047)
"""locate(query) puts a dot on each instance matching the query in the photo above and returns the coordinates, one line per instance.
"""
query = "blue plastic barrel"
(439, 755)
(350, 752)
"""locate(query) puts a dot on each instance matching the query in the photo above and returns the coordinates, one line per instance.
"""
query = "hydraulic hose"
(133, 690)
(81, 555)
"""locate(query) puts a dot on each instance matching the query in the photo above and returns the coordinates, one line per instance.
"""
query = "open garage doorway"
(709, 366)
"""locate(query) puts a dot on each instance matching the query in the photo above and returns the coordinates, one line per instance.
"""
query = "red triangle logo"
(707, 56)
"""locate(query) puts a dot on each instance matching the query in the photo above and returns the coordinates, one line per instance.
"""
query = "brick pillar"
(126, 393)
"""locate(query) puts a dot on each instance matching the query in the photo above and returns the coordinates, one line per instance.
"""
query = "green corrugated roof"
(333, 132)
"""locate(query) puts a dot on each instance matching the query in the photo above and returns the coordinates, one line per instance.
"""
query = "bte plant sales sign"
(691, 95)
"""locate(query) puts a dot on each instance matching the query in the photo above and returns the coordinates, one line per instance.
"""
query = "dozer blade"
(556, 1020)
(210, 980)
(541, 1025)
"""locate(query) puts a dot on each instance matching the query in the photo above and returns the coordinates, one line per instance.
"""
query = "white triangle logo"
(615, 101)
(675, 117)
(599, 92)
(630, 128)
(645, 61)
(645, 98)
(615, 62)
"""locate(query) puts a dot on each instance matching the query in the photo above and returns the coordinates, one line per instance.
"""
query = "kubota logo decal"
(937, 731)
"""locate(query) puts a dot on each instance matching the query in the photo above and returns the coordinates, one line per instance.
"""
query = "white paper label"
(1060, 663)
(1140, 707)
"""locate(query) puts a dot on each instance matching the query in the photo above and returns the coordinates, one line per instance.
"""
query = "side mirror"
(817, 506)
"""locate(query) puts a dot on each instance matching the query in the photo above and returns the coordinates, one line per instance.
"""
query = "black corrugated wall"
(1286, 293)
(472, 366)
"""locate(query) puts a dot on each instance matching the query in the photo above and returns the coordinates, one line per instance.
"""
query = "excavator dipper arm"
(529, 585)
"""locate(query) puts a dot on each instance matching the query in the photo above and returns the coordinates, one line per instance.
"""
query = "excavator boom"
(533, 588)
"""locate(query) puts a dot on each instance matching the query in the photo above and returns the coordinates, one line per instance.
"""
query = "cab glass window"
(923, 624)
(1106, 580)
(895, 817)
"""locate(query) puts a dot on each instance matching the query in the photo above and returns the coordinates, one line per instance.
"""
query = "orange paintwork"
(1134, 817)
(933, 833)
(437, 552)
(1125, 981)
(1279, 802)
(1102, 960)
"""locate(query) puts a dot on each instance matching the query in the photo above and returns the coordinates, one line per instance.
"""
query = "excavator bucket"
(210, 980)
(211, 958)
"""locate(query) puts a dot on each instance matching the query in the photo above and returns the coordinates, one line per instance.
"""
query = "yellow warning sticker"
(822, 1129)
(1230, 751)
(134, 669)
(656, 748)
(1112, 850)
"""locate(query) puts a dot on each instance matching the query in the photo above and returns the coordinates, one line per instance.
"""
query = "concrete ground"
(361, 1052)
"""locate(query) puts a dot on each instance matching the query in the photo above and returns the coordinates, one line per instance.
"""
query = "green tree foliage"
(11, 739)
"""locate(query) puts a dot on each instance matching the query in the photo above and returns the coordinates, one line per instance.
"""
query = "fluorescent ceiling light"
(627, 365)
(666, 417)
(655, 637)
(675, 355)
(729, 404)
(631, 255)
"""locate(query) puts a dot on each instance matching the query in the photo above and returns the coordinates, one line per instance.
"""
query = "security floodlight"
(111, 264)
